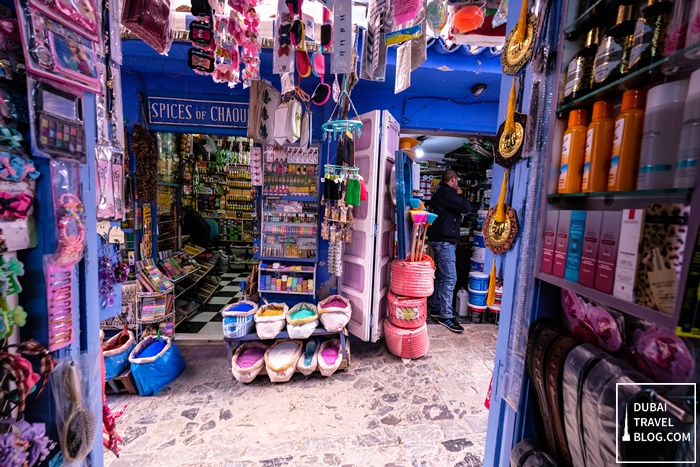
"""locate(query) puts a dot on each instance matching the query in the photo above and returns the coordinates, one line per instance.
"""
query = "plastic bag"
(662, 355)
(152, 374)
(116, 351)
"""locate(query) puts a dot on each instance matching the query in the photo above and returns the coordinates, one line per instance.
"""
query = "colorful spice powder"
(330, 355)
(301, 314)
(250, 357)
(335, 303)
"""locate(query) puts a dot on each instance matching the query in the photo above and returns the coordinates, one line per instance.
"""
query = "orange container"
(627, 142)
(573, 151)
(599, 141)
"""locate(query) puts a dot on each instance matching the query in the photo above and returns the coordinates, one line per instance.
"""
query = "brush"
(419, 218)
(415, 203)
(430, 218)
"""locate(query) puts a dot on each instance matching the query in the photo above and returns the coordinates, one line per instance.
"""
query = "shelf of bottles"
(168, 184)
(290, 219)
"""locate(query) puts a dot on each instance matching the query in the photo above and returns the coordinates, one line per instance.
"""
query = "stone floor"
(381, 412)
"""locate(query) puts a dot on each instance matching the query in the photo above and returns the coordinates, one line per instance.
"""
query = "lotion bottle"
(573, 150)
(599, 139)
(627, 142)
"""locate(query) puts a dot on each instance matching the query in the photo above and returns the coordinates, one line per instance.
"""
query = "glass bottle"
(579, 73)
(612, 57)
(650, 34)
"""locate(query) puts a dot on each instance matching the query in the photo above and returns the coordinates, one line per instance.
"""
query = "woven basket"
(334, 319)
(238, 323)
(268, 327)
(413, 279)
(406, 343)
(407, 312)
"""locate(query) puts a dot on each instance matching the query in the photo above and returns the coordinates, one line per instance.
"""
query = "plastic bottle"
(693, 34)
(689, 143)
(599, 141)
(612, 58)
(650, 33)
(662, 126)
(573, 150)
(579, 74)
(627, 141)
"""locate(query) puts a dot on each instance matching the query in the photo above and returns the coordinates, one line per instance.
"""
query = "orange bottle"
(599, 141)
(627, 142)
(573, 149)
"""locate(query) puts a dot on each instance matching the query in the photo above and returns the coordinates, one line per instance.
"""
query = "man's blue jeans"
(445, 278)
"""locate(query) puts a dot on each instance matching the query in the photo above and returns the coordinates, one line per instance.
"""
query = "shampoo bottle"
(689, 144)
(573, 150)
(662, 125)
(599, 141)
(627, 142)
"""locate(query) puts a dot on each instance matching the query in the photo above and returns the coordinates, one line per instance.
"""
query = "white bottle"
(689, 144)
(662, 125)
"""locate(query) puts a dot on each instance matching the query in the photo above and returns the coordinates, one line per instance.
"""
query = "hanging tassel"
(500, 215)
(509, 126)
(491, 297)
(521, 30)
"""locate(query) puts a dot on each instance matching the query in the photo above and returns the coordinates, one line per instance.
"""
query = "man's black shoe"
(451, 324)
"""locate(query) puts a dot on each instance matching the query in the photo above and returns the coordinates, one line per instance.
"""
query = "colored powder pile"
(282, 354)
(242, 307)
(152, 350)
(330, 355)
(301, 314)
(309, 355)
(250, 357)
(335, 303)
(272, 311)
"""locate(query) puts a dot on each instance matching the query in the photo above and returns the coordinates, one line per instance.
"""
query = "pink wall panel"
(353, 276)
(358, 246)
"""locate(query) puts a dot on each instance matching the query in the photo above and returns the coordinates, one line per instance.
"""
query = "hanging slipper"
(323, 91)
(297, 32)
(303, 63)
(327, 30)
(294, 6)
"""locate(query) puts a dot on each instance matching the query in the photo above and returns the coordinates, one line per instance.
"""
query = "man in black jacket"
(449, 205)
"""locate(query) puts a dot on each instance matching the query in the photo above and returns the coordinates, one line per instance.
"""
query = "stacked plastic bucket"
(479, 247)
(411, 284)
(478, 291)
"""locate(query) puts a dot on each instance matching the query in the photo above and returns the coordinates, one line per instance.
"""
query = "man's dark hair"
(448, 175)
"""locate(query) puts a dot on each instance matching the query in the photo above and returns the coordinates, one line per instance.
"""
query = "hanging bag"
(153, 372)
(150, 20)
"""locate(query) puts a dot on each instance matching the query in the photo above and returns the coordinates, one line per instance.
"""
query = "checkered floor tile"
(206, 323)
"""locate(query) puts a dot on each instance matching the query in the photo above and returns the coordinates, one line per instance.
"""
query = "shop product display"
(689, 142)
(248, 361)
(341, 192)
(281, 360)
(308, 361)
(662, 356)
(238, 318)
(79, 427)
(612, 58)
(334, 312)
(580, 70)
(598, 149)
(329, 357)
(270, 319)
(662, 124)
(116, 352)
(592, 323)
(624, 165)
(651, 33)
(302, 320)
(155, 363)
(154, 28)
(573, 152)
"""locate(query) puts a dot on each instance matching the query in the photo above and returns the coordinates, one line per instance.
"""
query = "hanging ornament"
(468, 18)
(520, 42)
(436, 13)
(106, 276)
(501, 226)
(511, 135)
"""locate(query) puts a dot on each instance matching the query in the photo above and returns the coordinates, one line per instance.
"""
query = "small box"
(562, 244)
(589, 251)
(573, 254)
(628, 254)
(550, 236)
(607, 251)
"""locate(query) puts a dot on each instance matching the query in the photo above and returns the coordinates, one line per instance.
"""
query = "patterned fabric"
(12, 365)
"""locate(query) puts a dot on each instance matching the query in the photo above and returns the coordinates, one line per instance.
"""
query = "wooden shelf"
(286, 292)
(608, 300)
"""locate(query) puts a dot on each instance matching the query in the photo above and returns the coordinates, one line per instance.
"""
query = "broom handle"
(422, 242)
(413, 240)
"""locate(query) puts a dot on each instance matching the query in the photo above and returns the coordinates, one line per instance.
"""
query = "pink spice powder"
(330, 355)
(250, 357)
(335, 303)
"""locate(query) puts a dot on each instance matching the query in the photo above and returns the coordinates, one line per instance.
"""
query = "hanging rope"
(500, 216)
(521, 30)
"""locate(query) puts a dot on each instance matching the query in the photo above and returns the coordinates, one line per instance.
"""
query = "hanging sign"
(174, 111)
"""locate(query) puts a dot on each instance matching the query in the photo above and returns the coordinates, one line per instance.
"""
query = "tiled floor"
(206, 325)
(381, 412)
